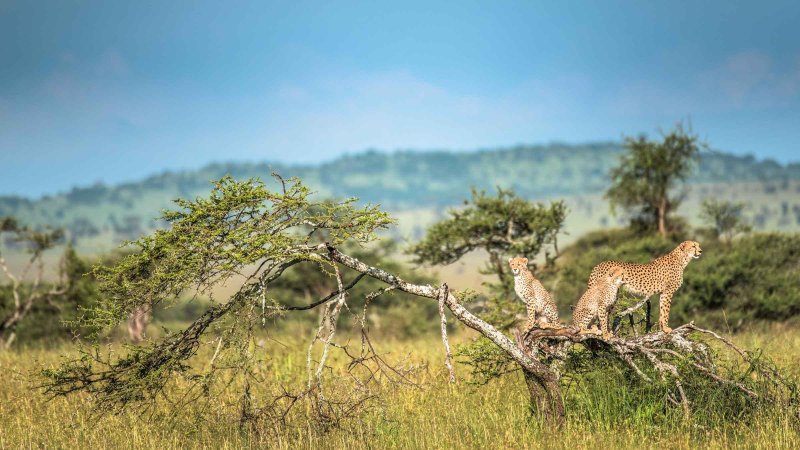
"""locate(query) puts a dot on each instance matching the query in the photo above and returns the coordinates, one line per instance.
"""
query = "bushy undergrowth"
(754, 278)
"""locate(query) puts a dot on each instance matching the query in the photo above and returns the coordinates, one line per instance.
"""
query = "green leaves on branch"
(210, 240)
(242, 229)
(502, 225)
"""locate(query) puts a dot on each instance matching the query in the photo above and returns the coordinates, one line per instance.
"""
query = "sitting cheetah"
(596, 302)
(662, 275)
(542, 310)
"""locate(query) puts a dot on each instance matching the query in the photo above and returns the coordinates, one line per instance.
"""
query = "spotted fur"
(542, 310)
(597, 302)
(663, 275)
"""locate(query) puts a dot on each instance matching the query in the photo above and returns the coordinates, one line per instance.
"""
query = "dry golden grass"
(436, 415)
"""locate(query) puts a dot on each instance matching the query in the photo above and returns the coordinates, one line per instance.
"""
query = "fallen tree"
(245, 230)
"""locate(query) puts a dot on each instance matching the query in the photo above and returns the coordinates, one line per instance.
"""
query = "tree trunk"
(545, 398)
(662, 217)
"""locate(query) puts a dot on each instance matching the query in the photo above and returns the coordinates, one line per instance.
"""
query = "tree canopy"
(644, 182)
(724, 217)
(501, 225)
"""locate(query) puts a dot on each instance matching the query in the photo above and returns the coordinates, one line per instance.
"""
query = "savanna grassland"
(250, 257)
(602, 409)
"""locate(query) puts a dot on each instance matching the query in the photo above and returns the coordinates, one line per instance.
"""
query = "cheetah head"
(615, 276)
(691, 249)
(517, 264)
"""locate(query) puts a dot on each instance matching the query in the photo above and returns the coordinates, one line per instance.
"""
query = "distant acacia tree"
(26, 289)
(725, 218)
(649, 171)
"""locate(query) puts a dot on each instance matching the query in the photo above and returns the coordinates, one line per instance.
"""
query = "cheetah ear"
(510, 259)
(524, 260)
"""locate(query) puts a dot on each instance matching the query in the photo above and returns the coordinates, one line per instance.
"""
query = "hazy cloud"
(746, 80)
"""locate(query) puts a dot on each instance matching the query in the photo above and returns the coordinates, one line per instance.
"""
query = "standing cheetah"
(542, 310)
(596, 302)
(662, 275)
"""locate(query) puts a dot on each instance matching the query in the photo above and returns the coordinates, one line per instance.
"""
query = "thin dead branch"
(444, 291)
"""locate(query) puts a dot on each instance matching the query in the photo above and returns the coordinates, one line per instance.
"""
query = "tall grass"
(603, 411)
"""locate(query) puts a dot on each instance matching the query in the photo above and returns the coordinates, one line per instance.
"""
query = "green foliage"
(649, 171)
(241, 229)
(605, 390)
(485, 360)
(27, 295)
(503, 225)
(211, 240)
(725, 218)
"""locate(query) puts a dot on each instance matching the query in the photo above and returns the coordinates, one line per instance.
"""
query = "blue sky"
(112, 91)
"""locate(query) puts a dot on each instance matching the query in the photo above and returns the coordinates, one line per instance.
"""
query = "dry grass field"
(433, 414)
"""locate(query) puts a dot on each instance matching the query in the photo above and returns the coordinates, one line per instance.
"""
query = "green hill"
(100, 216)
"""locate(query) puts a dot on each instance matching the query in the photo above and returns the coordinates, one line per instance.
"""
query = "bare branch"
(444, 291)
(327, 298)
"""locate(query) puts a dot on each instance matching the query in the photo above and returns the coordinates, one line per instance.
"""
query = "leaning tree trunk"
(542, 381)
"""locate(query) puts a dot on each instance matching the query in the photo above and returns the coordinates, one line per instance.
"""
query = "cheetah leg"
(549, 321)
(593, 330)
(531, 322)
(664, 303)
(603, 316)
(544, 324)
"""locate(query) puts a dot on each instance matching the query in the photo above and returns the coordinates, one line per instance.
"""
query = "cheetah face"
(517, 264)
(691, 249)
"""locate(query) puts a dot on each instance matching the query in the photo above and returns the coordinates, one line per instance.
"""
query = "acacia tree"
(247, 230)
(27, 288)
(644, 181)
(725, 217)
(503, 225)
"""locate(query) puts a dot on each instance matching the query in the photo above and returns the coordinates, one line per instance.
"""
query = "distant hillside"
(400, 181)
